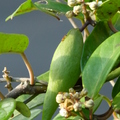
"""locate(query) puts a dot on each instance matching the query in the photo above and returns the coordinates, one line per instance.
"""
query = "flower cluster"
(77, 6)
(69, 102)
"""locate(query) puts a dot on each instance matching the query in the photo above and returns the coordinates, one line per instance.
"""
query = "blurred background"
(45, 33)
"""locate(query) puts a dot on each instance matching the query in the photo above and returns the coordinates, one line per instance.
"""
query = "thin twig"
(2, 96)
(17, 79)
(26, 88)
(31, 74)
(112, 27)
(72, 23)
(112, 83)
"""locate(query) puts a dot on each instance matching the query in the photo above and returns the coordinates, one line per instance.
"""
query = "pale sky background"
(45, 33)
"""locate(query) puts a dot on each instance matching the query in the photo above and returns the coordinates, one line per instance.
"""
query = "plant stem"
(112, 27)
(31, 74)
(112, 83)
(2, 96)
(104, 116)
(107, 100)
(73, 23)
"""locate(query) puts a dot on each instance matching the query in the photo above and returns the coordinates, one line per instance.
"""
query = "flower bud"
(71, 90)
(76, 95)
(89, 103)
(64, 112)
(71, 3)
(93, 5)
(77, 9)
(83, 92)
(60, 98)
(69, 14)
(77, 107)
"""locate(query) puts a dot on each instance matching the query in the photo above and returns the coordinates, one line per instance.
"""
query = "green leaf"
(93, 41)
(59, 117)
(97, 102)
(64, 70)
(116, 102)
(52, 7)
(100, 64)
(23, 97)
(44, 77)
(107, 10)
(34, 113)
(23, 109)
(116, 88)
(15, 43)
(37, 101)
(25, 7)
(7, 107)
(98, 35)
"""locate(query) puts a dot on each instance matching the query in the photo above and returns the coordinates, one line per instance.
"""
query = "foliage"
(91, 58)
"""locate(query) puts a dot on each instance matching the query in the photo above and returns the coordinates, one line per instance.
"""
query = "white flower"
(63, 112)
(77, 106)
(71, 3)
(94, 5)
(77, 9)
(60, 98)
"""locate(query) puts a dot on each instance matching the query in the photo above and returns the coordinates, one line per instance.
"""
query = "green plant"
(90, 58)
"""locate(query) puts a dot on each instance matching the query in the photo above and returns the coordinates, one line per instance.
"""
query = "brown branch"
(26, 88)
(104, 116)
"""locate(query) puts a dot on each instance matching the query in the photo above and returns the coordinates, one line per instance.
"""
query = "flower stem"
(31, 74)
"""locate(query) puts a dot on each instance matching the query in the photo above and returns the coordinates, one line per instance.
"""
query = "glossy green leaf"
(23, 97)
(7, 107)
(52, 7)
(59, 117)
(34, 113)
(44, 77)
(116, 102)
(107, 10)
(13, 43)
(116, 88)
(23, 109)
(100, 64)
(37, 101)
(25, 7)
(98, 35)
(64, 70)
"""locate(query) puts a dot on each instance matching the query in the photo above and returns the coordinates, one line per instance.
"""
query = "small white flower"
(89, 103)
(93, 5)
(99, 3)
(60, 98)
(71, 3)
(77, 106)
(63, 112)
(77, 9)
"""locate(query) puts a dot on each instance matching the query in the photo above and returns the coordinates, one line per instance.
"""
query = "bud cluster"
(77, 6)
(71, 101)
